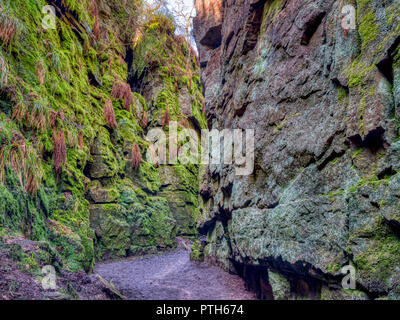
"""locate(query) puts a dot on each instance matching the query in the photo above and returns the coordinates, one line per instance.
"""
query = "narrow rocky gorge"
(82, 89)
(323, 101)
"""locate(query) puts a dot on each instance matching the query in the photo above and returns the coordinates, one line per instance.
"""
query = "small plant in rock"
(21, 157)
(136, 157)
(109, 114)
(8, 28)
(196, 252)
(19, 112)
(32, 111)
(71, 138)
(38, 116)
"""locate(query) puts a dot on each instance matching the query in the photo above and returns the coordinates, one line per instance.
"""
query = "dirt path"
(172, 276)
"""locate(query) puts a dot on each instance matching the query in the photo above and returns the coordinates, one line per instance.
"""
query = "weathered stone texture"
(324, 104)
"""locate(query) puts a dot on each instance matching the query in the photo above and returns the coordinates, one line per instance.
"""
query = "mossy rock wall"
(96, 206)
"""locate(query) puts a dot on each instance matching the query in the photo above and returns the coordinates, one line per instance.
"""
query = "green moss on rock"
(196, 253)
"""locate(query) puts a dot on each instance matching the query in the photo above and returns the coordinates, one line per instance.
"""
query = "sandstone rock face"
(324, 103)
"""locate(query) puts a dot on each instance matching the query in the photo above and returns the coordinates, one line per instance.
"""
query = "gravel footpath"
(172, 276)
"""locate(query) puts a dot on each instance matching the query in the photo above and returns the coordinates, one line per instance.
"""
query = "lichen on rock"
(323, 102)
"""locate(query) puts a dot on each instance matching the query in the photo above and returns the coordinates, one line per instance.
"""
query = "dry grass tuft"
(145, 120)
(38, 116)
(55, 116)
(136, 157)
(166, 118)
(19, 112)
(72, 139)
(110, 114)
(32, 111)
(95, 14)
(81, 140)
(22, 159)
(8, 28)
(60, 150)
(123, 92)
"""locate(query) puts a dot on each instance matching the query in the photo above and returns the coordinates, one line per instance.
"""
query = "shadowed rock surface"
(324, 104)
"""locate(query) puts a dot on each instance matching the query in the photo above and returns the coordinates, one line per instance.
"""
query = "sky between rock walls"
(187, 6)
